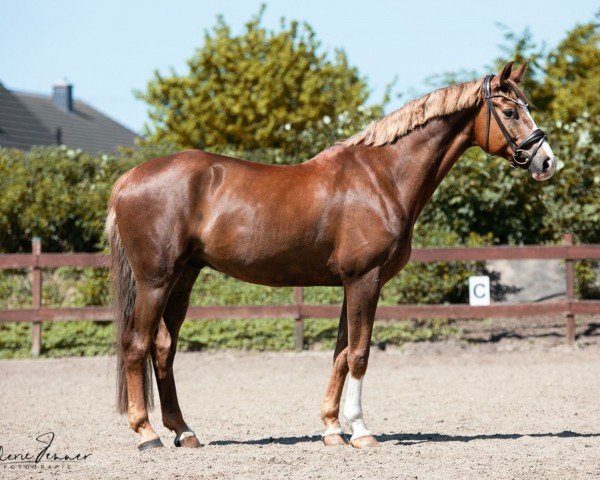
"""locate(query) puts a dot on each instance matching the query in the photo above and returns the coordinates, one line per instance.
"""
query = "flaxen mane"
(417, 112)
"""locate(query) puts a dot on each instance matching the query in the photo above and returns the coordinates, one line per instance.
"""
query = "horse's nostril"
(546, 165)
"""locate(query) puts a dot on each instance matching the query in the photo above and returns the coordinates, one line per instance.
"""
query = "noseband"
(520, 157)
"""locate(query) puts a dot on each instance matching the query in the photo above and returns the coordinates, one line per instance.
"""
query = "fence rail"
(36, 261)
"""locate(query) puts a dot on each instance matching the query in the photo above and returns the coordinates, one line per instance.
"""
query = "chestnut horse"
(344, 218)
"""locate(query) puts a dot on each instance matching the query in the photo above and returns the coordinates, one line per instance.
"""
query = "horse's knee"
(358, 359)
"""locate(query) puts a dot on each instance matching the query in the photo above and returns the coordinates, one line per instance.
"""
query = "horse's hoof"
(187, 439)
(367, 441)
(333, 440)
(155, 443)
(188, 442)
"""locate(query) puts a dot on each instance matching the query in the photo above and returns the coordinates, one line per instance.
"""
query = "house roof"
(28, 119)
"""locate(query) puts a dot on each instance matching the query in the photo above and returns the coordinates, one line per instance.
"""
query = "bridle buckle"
(520, 159)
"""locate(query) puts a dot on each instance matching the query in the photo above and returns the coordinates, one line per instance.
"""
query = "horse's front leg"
(330, 408)
(362, 294)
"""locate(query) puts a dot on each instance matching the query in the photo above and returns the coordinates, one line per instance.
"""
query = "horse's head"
(504, 126)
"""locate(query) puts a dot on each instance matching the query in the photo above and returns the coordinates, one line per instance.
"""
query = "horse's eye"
(509, 113)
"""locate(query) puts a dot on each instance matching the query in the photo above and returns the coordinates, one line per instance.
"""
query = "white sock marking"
(353, 408)
(185, 434)
(332, 431)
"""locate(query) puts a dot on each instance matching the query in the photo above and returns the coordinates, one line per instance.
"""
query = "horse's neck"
(421, 160)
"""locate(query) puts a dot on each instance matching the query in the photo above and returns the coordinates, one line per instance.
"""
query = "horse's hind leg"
(163, 355)
(330, 408)
(136, 341)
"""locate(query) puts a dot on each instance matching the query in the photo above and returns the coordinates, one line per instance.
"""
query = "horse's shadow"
(411, 438)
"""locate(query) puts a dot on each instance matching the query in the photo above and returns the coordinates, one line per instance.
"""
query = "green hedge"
(96, 338)
(59, 194)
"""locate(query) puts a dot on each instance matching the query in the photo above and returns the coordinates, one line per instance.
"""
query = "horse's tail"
(123, 293)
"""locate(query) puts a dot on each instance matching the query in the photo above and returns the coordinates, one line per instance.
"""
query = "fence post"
(299, 323)
(36, 294)
(569, 271)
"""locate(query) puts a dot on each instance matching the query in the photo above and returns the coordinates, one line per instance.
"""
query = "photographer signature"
(43, 455)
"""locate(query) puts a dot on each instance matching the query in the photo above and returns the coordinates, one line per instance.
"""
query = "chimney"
(62, 96)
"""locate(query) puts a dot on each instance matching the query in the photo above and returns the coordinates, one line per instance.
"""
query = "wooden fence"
(569, 307)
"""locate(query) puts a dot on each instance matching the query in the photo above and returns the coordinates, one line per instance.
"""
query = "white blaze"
(545, 147)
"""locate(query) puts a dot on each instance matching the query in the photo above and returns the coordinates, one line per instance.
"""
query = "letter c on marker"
(476, 287)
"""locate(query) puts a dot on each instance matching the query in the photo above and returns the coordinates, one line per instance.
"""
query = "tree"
(572, 89)
(259, 90)
(482, 194)
(571, 85)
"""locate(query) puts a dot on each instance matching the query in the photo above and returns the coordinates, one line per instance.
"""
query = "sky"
(110, 48)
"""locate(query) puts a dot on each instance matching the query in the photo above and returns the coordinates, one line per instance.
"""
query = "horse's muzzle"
(542, 167)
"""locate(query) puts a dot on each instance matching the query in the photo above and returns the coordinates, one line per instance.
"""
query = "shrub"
(59, 194)
(97, 338)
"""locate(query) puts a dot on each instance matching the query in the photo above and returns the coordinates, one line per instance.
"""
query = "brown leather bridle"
(520, 157)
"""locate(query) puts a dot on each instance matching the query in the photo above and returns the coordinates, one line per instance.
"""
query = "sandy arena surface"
(449, 413)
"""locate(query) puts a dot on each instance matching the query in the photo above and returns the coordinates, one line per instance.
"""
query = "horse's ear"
(506, 71)
(517, 75)
(499, 80)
